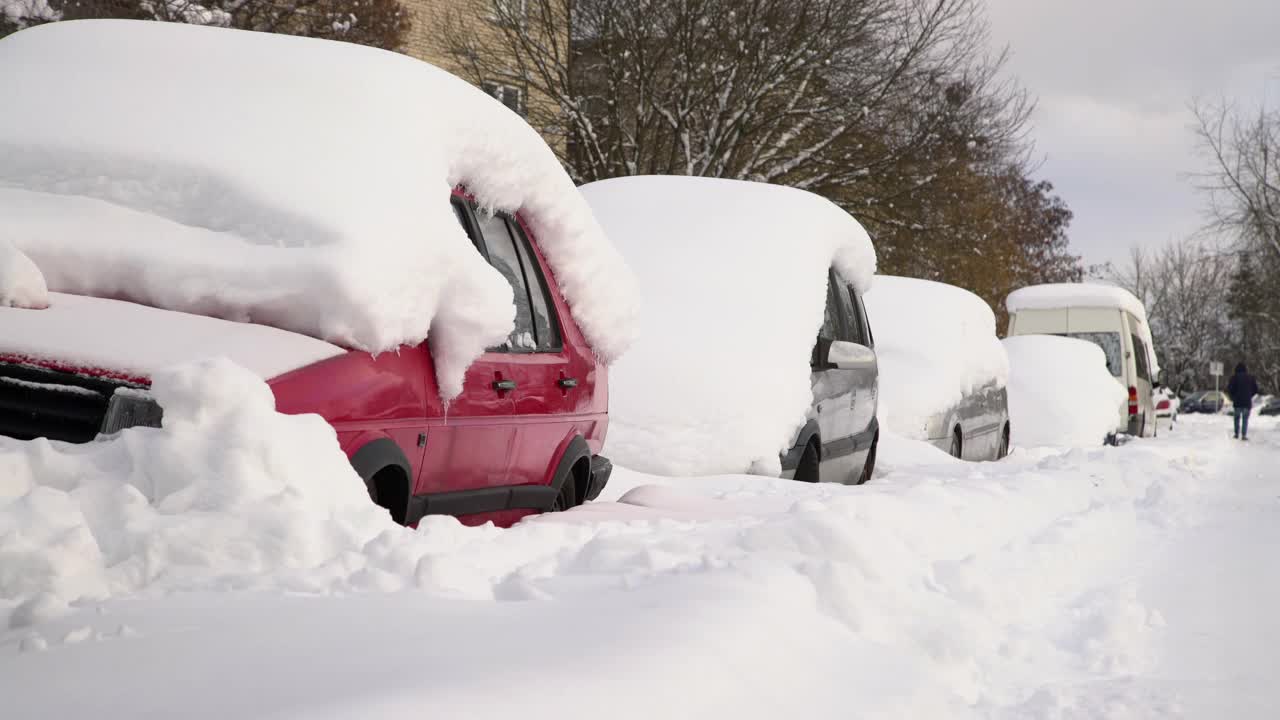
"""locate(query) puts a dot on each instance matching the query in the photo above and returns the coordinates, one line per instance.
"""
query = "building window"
(512, 97)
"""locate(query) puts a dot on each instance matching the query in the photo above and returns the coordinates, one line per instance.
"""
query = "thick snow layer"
(21, 284)
(936, 343)
(286, 181)
(1108, 582)
(734, 277)
(1067, 295)
(139, 341)
(1060, 392)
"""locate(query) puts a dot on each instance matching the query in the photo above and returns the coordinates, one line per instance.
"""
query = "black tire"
(568, 497)
(809, 469)
(1004, 444)
(869, 467)
(957, 444)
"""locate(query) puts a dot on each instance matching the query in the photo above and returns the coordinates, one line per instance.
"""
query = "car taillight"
(1133, 400)
(1162, 405)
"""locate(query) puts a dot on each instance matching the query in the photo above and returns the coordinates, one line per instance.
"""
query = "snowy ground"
(1131, 582)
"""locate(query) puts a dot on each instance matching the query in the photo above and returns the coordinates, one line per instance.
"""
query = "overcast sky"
(1114, 79)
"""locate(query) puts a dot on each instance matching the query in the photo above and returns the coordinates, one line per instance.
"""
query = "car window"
(1141, 358)
(864, 325)
(1111, 347)
(546, 325)
(504, 257)
(830, 317)
(464, 219)
(848, 328)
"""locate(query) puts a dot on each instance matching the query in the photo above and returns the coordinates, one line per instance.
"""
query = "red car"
(523, 436)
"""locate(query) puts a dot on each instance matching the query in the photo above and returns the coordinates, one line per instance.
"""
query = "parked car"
(1191, 402)
(1213, 402)
(1167, 406)
(756, 354)
(943, 371)
(1107, 316)
(343, 294)
(1271, 407)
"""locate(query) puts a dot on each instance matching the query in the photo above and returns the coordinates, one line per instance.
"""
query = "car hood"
(112, 337)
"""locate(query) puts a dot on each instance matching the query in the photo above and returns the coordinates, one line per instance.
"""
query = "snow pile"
(1060, 392)
(734, 280)
(1053, 296)
(322, 210)
(21, 284)
(936, 343)
(137, 341)
(1007, 590)
(228, 491)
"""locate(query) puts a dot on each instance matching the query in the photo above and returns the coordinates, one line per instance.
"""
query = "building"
(440, 28)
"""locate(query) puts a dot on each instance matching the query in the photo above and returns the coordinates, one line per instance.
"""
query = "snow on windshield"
(285, 181)
(734, 280)
(935, 343)
(1060, 392)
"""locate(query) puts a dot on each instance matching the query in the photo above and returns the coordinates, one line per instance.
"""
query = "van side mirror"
(845, 355)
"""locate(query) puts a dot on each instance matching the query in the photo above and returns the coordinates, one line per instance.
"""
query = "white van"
(1111, 318)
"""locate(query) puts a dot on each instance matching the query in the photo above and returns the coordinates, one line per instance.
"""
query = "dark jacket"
(1242, 387)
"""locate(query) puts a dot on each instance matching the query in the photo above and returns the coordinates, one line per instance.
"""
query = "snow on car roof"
(936, 343)
(734, 280)
(287, 181)
(1081, 295)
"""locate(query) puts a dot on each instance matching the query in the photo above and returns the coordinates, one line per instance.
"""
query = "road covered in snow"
(1130, 582)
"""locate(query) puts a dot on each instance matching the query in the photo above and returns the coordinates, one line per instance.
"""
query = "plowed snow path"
(1133, 582)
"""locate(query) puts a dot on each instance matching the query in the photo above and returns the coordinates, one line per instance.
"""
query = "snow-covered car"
(1111, 318)
(1213, 402)
(942, 368)
(1270, 407)
(1191, 403)
(755, 353)
(1060, 392)
(1167, 406)
(383, 244)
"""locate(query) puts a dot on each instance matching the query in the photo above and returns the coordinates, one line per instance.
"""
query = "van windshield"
(1110, 344)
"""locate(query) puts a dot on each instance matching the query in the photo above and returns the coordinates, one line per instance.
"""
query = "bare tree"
(380, 23)
(1244, 185)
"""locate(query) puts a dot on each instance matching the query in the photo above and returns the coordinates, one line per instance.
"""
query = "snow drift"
(1060, 392)
(21, 283)
(285, 181)
(734, 277)
(1052, 296)
(936, 343)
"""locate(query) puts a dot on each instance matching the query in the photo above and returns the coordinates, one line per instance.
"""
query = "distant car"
(943, 371)
(1271, 407)
(1191, 403)
(1167, 404)
(1213, 402)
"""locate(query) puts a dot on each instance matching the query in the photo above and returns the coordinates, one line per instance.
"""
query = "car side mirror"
(845, 355)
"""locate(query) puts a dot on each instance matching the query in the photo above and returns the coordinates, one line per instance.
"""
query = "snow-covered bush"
(1060, 392)
(936, 343)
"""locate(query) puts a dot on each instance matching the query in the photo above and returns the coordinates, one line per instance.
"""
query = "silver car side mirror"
(845, 355)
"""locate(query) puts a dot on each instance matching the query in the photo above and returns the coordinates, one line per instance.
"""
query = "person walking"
(1242, 387)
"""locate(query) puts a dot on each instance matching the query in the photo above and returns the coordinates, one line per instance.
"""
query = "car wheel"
(1004, 444)
(568, 496)
(869, 467)
(957, 444)
(808, 470)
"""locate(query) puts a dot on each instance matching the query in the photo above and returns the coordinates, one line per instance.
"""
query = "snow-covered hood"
(137, 341)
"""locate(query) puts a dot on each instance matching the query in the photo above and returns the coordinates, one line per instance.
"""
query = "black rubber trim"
(483, 500)
(601, 469)
(791, 459)
(378, 455)
(575, 451)
(840, 447)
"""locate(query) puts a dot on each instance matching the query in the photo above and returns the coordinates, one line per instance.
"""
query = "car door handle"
(504, 385)
(567, 383)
